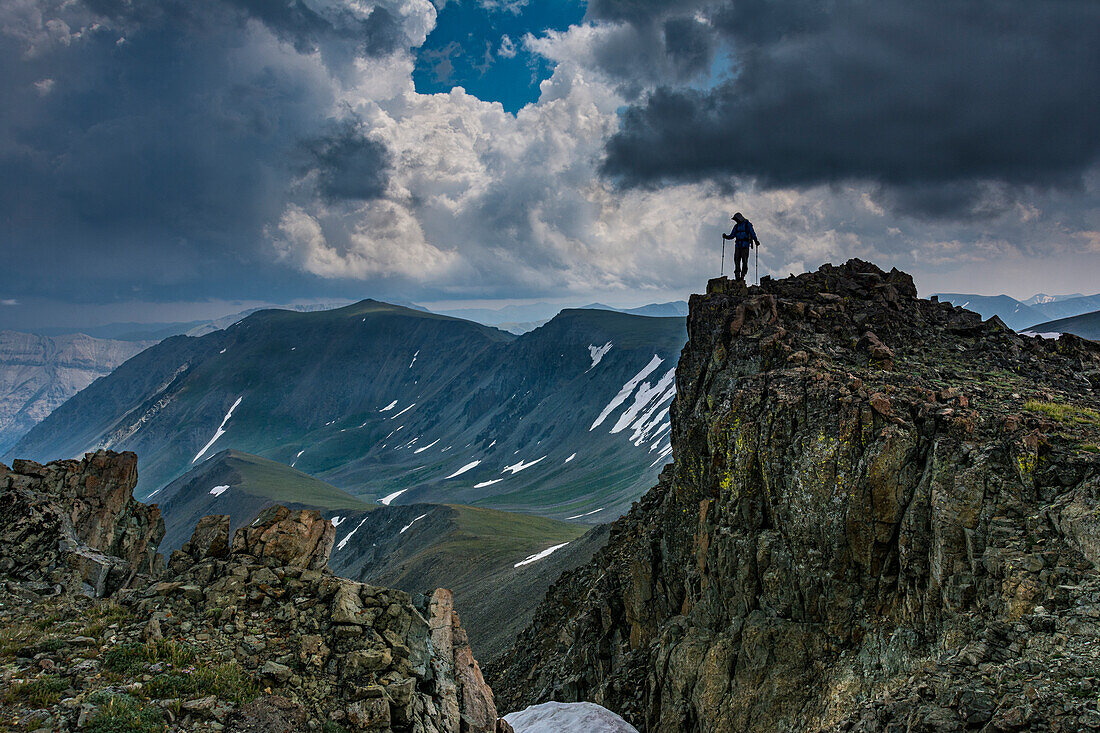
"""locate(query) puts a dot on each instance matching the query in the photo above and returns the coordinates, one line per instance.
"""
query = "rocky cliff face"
(249, 633)
(882, 515)
(73, 525)
(38, 373)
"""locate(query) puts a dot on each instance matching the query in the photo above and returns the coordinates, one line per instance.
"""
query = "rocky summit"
(244, 633)
(882, 515)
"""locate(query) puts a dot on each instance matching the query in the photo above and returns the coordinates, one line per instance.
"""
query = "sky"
(173, 159)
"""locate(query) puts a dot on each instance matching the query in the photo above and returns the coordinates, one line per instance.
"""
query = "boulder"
(295, 538)
(210, 538)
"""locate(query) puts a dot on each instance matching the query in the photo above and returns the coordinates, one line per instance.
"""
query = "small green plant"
(124, 714)
(227, 681)
(37, 645)
(47, 621)
(14, 637)
(107, 613)
(331, 726)
(38, 693)
(132, 657)
(1064, 412)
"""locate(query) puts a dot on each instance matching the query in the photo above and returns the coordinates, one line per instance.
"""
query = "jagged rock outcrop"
(75, 523)
(244, 634)
(292, 538)
(366, 657)
(882, 515)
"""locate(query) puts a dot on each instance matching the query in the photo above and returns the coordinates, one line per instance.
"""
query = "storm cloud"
(940, 102)
(165, 134)
(154, 151)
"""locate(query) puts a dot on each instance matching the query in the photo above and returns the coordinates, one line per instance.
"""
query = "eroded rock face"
(209, 539)
(867, 526)
(468, 704)
(76, 522)
(298, 538)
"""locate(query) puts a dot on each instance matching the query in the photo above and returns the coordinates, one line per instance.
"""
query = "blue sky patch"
(478, 45)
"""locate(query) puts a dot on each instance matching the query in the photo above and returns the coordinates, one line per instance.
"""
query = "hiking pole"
(757, 263)
(723, 270)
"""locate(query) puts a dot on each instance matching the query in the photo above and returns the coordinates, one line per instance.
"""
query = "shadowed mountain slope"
(381, 401)
(1086, 325)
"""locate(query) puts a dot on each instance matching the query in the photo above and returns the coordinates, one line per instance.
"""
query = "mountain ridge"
(1085, 325)
(382, 400)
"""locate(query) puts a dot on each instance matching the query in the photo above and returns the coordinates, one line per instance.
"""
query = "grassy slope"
(473, 551)
(283, 484)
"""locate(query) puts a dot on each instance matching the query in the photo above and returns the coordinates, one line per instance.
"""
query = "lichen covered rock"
(881, 516)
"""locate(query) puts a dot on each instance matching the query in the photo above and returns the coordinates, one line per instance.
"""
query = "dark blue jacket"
(743, 234)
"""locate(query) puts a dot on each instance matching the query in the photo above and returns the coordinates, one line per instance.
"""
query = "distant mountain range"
(386, 402)
(520, 319)
(1086, 325)
(39, 373)
(1021, 315)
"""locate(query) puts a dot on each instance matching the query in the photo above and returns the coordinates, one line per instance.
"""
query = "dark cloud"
(934, 100)
(146, 145)
(349, 165)
(640, 12)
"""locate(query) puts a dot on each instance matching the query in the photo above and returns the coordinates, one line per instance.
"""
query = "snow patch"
(645, 396)
(578, 516)
(411, 523)
(517, 467)
(627, 389)
(463, 470)
(220, 431)
(340, 545)
(490, 482)
(297, 457)
(597, 353)
(1055, 335)
(570, 458)
(389, 406)
(568, 717)
(404, 411)
(540, 555)
(337, 520)
(219, 490)
(411, 366)
(388, 498)
(153, 494)
(648, 422)
(659, 436)
(662, 455)
(429, 445)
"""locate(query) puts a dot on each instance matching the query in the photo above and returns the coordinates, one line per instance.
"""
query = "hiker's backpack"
(741, 232)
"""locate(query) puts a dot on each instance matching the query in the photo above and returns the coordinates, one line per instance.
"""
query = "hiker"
(744, 237)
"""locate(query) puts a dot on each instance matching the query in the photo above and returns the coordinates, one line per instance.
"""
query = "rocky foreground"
(249, 633)
(882, 515)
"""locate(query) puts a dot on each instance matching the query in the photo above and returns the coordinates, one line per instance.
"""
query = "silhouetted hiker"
(743, 236)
